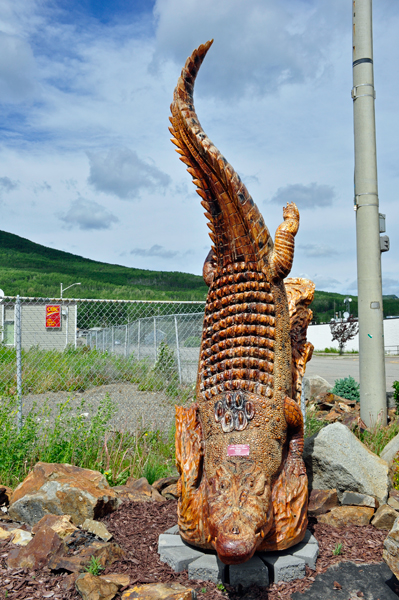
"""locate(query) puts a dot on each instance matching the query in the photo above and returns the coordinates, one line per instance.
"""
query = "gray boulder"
(390, 450)
(335, 458)
(318, 385)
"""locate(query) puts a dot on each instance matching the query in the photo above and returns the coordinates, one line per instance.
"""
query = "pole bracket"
(355, 95)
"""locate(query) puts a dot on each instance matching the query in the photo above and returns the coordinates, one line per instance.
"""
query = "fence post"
(138, 341)
(126, 339)
(155, 339)
(178, 349)
(19, 360)
(112, 339)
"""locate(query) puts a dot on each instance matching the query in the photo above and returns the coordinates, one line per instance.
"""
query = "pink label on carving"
(238, 450)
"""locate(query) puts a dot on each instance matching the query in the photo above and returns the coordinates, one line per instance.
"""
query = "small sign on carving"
(238, 450)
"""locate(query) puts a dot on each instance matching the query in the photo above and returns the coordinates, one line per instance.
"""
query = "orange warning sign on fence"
(53, 315)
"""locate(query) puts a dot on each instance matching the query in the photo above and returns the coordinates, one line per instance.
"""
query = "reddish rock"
(165, 482)
(138, 491)
(385, 517)
(105, 552)
(60, 524)
(159, 591)
(62, 490)
(36, 554)
(342, 516)
(91, 587)
(171, 492)
(321, 501)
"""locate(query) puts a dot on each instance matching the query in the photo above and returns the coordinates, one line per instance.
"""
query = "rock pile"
(51, 521)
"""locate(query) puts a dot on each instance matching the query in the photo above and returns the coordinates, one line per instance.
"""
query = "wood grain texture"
(239, 449)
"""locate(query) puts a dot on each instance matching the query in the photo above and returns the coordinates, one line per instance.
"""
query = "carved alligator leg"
(290, 490)
(189, 462)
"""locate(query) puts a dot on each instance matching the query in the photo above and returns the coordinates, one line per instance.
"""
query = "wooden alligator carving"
(243, 484)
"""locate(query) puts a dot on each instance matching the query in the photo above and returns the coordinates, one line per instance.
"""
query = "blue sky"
(86, 164)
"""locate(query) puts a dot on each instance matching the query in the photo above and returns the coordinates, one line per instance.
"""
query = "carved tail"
(238, 231)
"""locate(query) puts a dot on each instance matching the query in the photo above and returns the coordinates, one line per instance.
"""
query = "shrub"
(346, 388)
(395, 386)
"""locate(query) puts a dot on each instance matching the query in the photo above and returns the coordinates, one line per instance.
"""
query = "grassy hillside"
(325, 303)
(30, 269)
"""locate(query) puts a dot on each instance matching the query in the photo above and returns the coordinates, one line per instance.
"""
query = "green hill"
(30, 269)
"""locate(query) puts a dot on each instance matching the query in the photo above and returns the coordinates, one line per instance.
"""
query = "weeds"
(79, 369)
(337, 550)
(94, 567)
(395, 386)
(69, 437)
(378, 436)
(313, 424)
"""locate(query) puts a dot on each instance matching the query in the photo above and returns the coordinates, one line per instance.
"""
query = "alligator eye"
(219, 411)
(249, 410)
(228, 422)
(240, 420)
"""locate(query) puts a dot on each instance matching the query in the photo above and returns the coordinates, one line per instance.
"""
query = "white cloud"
(86, 214)
(159, 252)
(17, 67)
(318, 250)
(305, 196)
(7, 185)
(121, 172)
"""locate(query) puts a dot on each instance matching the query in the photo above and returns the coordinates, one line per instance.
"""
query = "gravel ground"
(135, 409)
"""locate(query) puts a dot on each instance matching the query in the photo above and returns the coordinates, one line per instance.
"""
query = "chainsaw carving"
(243, 484)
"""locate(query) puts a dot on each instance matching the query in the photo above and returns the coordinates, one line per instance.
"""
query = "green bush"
(346, 388)
(395, 386)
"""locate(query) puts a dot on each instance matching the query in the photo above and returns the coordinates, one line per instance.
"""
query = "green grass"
(67, 436)
(94, 567)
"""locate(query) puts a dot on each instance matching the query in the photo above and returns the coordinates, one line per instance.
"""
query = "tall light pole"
(67, 288)
(371, 333)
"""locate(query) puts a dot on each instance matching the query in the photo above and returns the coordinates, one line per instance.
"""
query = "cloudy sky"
(86, 164)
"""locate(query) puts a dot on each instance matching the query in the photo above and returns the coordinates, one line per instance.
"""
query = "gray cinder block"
(178, 558)
(252, 571)
(284, 568)
(207, 568)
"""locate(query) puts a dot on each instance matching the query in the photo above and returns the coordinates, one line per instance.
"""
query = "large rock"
(390, 450)
(342, 516)
(318, 385)
(45, 544)
(159, 591)
(385, 517)
(391, 548)
(91, 587)
(321, 501)
(335, 458)
(61, 524)
(62, 490)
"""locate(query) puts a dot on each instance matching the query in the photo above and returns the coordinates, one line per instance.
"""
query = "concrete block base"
(261, 569)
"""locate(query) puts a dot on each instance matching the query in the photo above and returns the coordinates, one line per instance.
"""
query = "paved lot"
(337, 367)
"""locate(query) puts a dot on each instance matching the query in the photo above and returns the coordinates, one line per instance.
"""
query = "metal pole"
(178, 349)
(373, 404)
(19, 360)
(126, 339)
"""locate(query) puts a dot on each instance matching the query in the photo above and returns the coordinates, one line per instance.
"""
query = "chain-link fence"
(53, 345)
